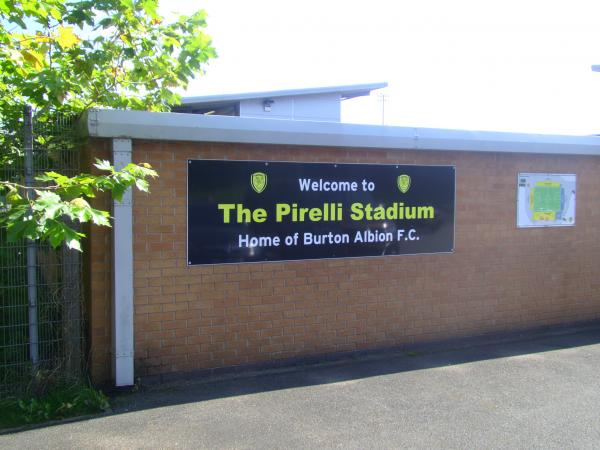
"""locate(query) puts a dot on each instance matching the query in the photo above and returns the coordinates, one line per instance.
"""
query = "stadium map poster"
(546, 200)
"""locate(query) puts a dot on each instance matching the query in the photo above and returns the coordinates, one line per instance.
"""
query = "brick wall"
(499, 278)
(98, 275)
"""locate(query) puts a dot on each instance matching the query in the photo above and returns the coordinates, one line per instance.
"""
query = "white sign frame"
(564, 216)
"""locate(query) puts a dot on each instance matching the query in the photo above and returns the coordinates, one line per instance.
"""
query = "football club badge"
(403, 183)
(258, 181)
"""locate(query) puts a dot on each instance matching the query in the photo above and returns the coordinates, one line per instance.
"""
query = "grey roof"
(347, 91)
(195, 127)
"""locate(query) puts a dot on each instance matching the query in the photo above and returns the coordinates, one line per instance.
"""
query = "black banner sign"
(250, 211)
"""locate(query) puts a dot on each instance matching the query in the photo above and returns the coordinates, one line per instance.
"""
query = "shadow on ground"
(354, 368)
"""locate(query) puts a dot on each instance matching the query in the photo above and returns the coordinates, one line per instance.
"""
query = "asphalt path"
(535, 392)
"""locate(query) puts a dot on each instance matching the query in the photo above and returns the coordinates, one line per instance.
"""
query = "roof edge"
(195, 127)
(344, 89)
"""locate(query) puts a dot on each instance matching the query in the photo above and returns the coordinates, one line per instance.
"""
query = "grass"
(59, 403)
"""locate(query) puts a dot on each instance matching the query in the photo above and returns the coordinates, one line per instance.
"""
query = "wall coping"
(201, 128)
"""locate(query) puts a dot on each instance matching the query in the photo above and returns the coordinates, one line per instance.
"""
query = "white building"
(321, 104)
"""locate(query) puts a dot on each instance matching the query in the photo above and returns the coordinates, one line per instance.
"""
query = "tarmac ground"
(538, 391)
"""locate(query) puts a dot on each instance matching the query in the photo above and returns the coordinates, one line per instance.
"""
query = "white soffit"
(346, 91)
(197, 127)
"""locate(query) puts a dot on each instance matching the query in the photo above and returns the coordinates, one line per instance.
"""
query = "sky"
(510, 65)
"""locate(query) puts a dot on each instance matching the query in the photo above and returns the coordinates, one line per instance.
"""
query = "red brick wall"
(98, 275)
(499, 278)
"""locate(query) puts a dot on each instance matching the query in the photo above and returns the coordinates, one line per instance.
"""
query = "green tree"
(67, 56)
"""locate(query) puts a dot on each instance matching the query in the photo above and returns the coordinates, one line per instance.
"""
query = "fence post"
(31, 247)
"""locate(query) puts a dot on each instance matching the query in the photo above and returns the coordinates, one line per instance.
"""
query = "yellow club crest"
(258, 181)
(403, 183)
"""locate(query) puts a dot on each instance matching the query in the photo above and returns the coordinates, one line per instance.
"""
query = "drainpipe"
(122, 275)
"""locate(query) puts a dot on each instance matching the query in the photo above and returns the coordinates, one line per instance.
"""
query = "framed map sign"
(546, 200)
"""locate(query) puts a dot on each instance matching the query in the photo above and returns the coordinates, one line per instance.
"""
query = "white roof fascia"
(197, 127)
(282, 93)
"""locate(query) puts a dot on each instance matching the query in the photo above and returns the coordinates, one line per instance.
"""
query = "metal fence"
(41, 304)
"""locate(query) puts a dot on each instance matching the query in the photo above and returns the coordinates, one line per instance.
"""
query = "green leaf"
(36, 59)
(103, 165)
(126, 39)
(45, 199)
(74, 244)
(58, 232)
(100, 217)
(142, 185)
(13, 197)
(55, 234)
(52, 211)
(118, 191)
(53, 176)
(150, 7)
(56, 14)
(20, 225)
(4, 6)
(66, 38)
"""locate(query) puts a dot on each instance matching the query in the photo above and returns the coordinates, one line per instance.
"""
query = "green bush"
(59, 403)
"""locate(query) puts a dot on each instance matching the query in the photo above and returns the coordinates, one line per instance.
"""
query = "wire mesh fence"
(41, 303)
